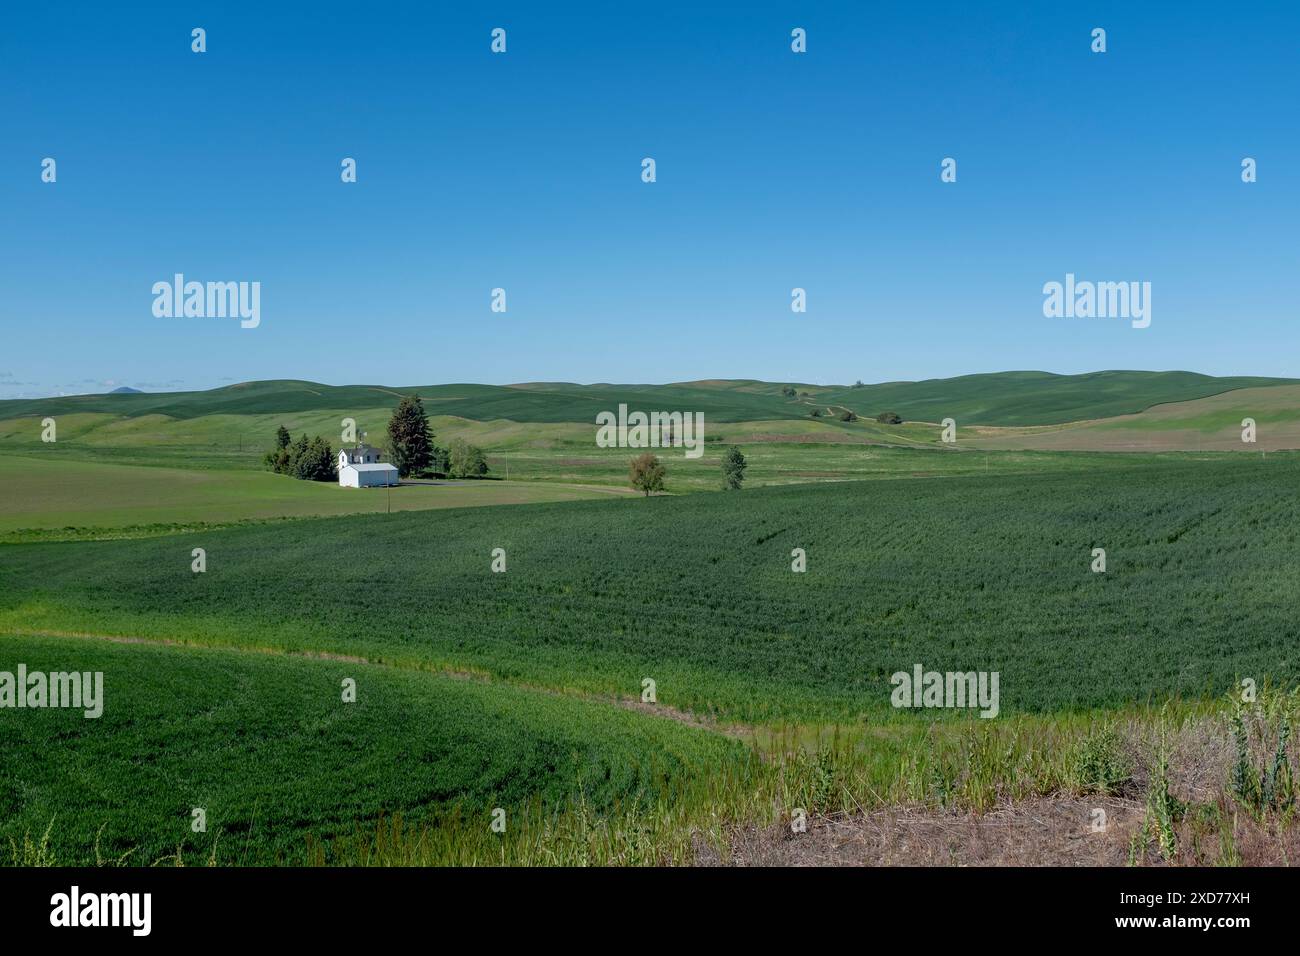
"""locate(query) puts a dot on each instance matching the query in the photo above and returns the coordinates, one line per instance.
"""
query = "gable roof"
(361, 452)
(381, 466)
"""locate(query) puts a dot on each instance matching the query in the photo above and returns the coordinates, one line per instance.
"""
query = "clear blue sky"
(522, 171)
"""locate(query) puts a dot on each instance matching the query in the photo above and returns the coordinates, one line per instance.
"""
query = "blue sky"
(522, 171)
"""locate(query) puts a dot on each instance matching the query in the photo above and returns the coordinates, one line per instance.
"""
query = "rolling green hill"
(1036, 398)
(1002, 398)
(574, 403)
(697, 592)
(268, 748)
(1203, 424)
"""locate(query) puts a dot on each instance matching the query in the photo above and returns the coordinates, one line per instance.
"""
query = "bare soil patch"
(1051, 831)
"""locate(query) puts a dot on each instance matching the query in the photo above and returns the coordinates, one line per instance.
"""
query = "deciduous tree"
(647, 473)
(733, 469)
(467, 461)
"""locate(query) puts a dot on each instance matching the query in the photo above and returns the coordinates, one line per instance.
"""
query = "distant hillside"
(1037, 398)
(1000, 398)
(522, 403)
(1202, 424)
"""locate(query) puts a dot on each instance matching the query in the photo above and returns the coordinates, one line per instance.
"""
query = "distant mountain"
(126, 390)
(998, 398)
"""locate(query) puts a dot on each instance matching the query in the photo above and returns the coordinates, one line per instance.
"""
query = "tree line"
(308, 460)
(411, 450)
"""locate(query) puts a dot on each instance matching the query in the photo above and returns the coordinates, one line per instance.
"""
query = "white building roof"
(380, 466)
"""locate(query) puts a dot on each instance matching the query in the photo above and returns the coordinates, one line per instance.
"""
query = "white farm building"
(360, 467)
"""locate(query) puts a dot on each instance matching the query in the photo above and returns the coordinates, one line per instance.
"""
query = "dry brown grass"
(1041, 832)
(1211, 825)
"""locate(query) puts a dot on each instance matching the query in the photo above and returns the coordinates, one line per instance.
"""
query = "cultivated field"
(267, 748)
(523, 690)
(546, 433)
(959, 574)
(74, 498)
(1208, 424)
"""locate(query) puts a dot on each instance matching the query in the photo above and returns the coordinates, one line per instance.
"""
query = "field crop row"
(698, 594)
(268, 749)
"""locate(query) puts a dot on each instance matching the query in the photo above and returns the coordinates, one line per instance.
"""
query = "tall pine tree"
(410, 442)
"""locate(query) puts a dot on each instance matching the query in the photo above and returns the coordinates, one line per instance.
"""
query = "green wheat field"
(520, 695)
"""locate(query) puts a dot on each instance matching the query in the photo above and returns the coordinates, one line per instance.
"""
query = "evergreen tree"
(307, 460)
(320, 461)
(410, 441)
(297, 462)
(298, 459)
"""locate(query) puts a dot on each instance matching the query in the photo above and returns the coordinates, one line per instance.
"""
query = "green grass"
(1208, 423)
(572, 403)
(546, 432)
(78, 498)
(1037, 398)
(240, 441)
(269, 749)
(964, 573)
(806, 462)
(1002, 398)
(410, 773)
(972, 561)
(107, 474)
